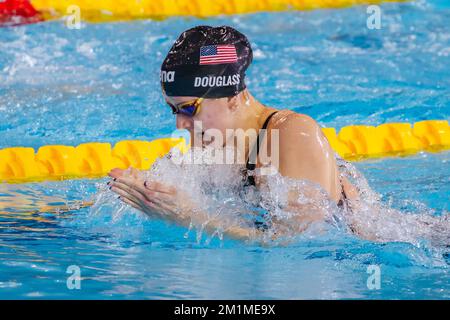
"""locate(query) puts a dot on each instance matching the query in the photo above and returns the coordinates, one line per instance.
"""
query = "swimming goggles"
(190, 108)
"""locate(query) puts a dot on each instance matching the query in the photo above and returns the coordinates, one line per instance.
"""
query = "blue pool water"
(100, 83)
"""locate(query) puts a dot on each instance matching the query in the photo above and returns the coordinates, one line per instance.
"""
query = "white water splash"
(373, 220)
(218, 191)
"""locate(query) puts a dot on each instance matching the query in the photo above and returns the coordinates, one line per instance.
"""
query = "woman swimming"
(202, 80)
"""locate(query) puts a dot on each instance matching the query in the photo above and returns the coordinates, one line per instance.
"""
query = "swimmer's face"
(214, 116)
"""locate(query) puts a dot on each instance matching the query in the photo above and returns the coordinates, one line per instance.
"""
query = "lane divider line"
(96, 159)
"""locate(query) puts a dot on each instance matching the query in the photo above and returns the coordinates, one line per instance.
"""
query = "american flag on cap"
(218, 54)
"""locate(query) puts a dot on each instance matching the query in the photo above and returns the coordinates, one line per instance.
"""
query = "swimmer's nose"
(183, 122)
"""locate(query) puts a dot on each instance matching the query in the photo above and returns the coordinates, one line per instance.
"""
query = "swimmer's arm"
(304, 152)
(186, 217)
(211, 225)
(167, 203)
(189, 213)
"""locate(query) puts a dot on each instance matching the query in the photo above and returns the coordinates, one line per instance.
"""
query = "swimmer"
(203, 80)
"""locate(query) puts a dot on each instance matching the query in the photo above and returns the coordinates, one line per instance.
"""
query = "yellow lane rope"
(96, 159)
(112, 10)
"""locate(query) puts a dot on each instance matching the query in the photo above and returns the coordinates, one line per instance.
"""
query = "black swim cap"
(207, 62)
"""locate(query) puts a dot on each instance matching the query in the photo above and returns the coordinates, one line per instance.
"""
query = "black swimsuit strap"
(255, 151)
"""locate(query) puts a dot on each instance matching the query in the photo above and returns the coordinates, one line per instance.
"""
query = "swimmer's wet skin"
(203, 79)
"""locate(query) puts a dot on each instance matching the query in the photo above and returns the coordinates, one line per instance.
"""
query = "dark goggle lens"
(187, 110)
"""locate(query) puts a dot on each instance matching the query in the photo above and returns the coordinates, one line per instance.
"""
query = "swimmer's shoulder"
(290, 122)
(299, 135)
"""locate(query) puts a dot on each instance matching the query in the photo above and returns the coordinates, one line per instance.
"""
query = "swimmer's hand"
(163, 201)
(151, 197)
